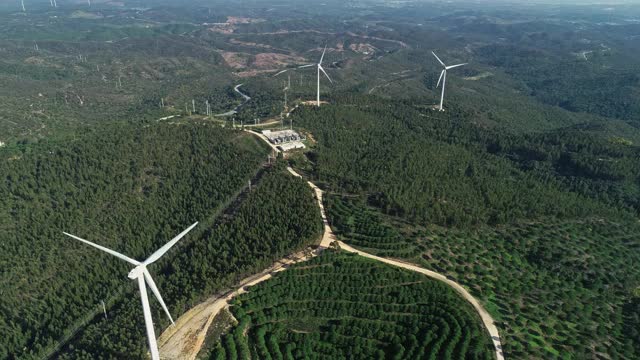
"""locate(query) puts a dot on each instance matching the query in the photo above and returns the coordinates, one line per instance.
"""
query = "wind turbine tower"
(443, 78)
(320, 69)
(143, 277)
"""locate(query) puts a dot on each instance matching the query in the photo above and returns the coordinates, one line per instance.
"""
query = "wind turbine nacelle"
(136, 272)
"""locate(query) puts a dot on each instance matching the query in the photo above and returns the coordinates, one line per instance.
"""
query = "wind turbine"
(320, 68)
(141, 274)
(443, 77)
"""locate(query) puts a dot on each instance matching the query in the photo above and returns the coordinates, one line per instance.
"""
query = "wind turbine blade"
(306, 66)
(439, 80)
(156, 292)
(281, 72)
(114, 253)
(156, 255)
(455, 66)
(325, 74)
(323, 52)
(148, 321)
(440, 61)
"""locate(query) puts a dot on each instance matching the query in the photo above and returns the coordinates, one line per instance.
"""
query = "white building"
(291, 146)
(282, 136)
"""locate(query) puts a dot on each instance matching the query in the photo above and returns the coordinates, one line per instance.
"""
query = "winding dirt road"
(186, 338)
(489, 324)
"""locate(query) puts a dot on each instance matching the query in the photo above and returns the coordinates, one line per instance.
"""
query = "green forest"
(446, 170)
(126, 187)
(558, 289)
(342, 306)
(542, 226)
(132, 189)
(526, 190)
(279, 216)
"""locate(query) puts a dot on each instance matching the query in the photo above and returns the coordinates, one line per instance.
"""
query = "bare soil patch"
(271, 60)
(363, 48)
(235, 60)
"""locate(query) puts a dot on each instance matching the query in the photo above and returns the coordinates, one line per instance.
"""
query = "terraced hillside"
(550, 285)
(342, 306)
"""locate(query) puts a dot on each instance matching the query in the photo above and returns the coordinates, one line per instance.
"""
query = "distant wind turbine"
(141, 274)
(320, 68)
(443, 78)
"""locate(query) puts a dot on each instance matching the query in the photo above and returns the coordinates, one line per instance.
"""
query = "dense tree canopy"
(277, 217)
(341, 306)
(551, 284)
(129, 188)
(443, 169)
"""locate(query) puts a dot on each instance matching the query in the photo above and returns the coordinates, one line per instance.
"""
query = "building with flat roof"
(291, 146)
(283, 136)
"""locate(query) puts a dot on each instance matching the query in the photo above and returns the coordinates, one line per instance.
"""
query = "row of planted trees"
(341, 306)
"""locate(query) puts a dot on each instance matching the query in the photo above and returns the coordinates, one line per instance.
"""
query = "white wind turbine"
(443, 77)
(320, 68)
(141, 273)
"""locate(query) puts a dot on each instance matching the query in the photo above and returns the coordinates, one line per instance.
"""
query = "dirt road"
(328, 236)
(484, 315)
(185, 339)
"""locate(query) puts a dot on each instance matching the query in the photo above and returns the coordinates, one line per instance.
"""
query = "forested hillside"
(528, 222)
(445, 169)
(128, 188)
(526, 190)
(278, 217)
(552, 284)
(342, 306)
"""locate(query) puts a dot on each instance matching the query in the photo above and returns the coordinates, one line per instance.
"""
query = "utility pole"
(193, 105)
